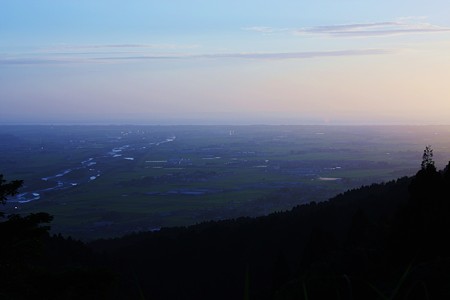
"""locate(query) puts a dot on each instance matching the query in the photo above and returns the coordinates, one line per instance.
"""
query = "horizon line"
(162, 124)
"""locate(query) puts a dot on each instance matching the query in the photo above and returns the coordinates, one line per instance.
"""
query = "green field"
(106, 181)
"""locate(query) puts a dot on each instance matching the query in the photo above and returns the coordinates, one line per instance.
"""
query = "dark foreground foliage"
(35, 265)
(384, 241)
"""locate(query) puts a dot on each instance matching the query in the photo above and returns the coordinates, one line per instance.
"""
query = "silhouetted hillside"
(346, 235)
(383, 241)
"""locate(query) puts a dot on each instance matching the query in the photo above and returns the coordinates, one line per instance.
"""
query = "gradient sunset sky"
(225, 62)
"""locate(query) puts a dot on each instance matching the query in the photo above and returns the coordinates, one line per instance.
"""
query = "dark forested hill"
(384, 241)
(267, 257)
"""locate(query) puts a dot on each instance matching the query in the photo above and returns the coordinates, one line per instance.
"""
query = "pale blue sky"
(210, 62)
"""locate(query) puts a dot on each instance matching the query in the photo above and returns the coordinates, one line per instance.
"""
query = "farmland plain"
(105, 181)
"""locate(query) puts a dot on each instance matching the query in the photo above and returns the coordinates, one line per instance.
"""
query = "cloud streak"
(121, 46)
(372, 29)
(249, 56)
(401, 26)
(265, 29)
(297, 55)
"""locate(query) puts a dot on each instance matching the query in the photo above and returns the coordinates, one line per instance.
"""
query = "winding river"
(61, 183)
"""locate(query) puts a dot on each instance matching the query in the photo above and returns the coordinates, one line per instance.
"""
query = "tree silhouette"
(8, 189)
(427, 159)
(20, 235)
(22, 242)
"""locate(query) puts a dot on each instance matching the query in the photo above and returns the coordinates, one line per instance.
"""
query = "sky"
(225, 62)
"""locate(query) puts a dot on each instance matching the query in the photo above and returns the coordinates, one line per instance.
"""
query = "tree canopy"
(8, 189)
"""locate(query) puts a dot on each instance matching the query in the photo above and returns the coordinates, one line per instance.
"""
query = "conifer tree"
(427, 159)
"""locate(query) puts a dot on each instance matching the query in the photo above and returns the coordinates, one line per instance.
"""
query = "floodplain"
(107, 181)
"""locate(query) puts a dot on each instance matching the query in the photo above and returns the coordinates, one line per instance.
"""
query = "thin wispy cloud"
(119, 47)
(299, 55)
(265, 29)
(44, 61)
(251, 55)
(402, 26)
